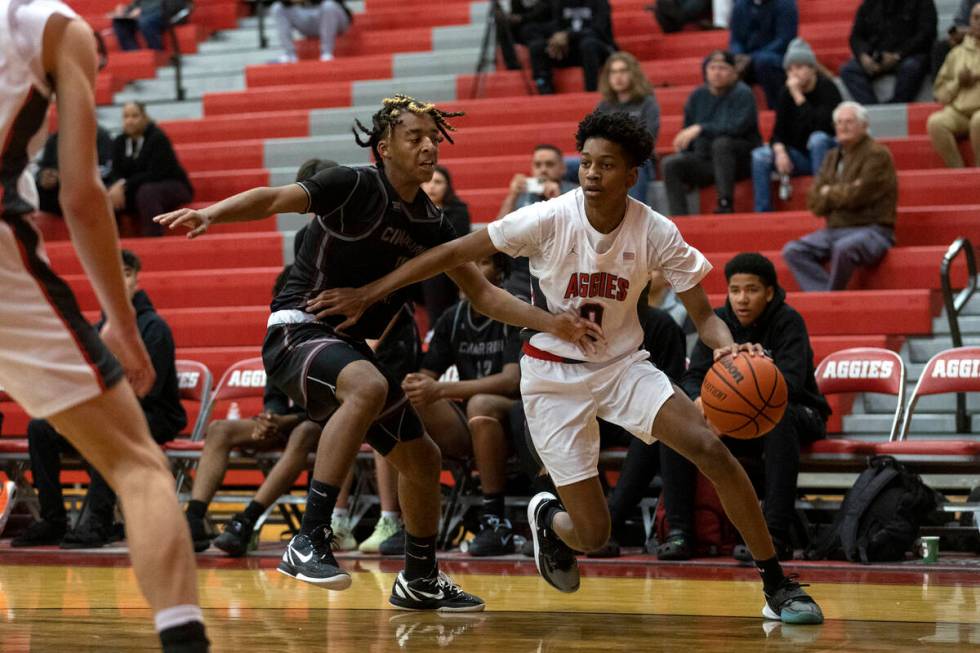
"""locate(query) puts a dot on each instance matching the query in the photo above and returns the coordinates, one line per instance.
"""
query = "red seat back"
(194, 382)
(242, 383)
(865, 369)
(952, 370)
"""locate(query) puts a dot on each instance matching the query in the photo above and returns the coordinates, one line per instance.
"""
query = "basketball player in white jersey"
(52, 361)
(592, 251)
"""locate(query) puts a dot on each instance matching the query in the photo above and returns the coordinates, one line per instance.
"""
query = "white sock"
(177, 615)
(340, 513)
(391, 514)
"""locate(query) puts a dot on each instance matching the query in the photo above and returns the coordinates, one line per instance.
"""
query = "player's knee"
(306, 435)
(480, 406)
(370, 392)
(219, 434)
(143, 466)
(711, 456)
(594, 536)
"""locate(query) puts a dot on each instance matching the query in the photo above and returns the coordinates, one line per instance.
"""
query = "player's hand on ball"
(574, 328)
(750, 348)
(349, 302)
(197, 221)
(125, 343)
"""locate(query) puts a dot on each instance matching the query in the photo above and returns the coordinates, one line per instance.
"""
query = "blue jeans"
(908, 80)
(647, 174)
(804, 163)
(150, 25)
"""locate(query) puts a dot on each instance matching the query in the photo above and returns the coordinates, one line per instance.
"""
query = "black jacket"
(664, 340)
(103, 146)
(904, 26)
(164, 412)
(782, 332)
(576, 16)
(794, 124)
(156, 161)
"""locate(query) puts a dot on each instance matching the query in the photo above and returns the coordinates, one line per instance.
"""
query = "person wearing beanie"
(721, 127)
(890, 37)
(755, 311)
(958, 88)
(761, 30)
(803, 131)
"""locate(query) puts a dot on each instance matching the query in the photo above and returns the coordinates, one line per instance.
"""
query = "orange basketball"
(744, 396)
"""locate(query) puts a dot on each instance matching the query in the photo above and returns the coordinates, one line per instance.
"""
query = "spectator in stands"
(802, 135)
(164, 414)
(760, 33)
(890, 37)
(721, 127)
(546, 181)
(147, 177)
(147, 17)
(624, 87)
(440, 292)
(326, 19)
(673, 15)
(954, 36)
(856, 190)
(755, 311)
(47, 180)
(579, 33)
(512, 23)
(467, 418)
(958, 88)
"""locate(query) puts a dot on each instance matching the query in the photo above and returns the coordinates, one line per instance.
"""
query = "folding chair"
(860, 369)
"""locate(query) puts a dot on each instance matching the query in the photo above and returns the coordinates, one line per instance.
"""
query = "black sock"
(185, 638)
(420, 557)
(319, 506)
(197, 509)
(254, 510)
(493, 504)
(771, 572)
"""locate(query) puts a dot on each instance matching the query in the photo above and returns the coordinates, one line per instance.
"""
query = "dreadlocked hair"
(620, 128)
(385, 119)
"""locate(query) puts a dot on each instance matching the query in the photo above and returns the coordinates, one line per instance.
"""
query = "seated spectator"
(47, 179)
(579, 33)
(661, 295)
(164, 414)
(804, 125)
(673, 15)
(624, 87)
(325, 19)
(466, 418)
(439, 293)
(148, 178)
(954, 36)
(512, 23)
(890, 37)
(760, 33)
(856, 190)
(755, 311)
(721, 127)
(958, 88)
(146, 17)
(545, 182)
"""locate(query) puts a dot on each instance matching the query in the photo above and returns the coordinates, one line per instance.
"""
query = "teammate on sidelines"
(592, 251)
(369, 220)
(52, 361)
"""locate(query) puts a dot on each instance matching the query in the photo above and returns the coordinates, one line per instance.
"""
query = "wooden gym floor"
(53, 601)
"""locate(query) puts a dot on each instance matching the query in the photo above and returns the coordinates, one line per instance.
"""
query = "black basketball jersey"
(361, 231)
(477, 345)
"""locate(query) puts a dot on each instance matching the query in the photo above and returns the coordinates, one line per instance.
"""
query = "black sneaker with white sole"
(555, 560)
(496, 538)
(791, 604)
(437, 593)
(309, 558)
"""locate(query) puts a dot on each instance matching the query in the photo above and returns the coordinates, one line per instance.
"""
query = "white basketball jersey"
(569, 274)
(24, 93)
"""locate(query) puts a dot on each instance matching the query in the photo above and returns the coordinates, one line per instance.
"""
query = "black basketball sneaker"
(791, 604)
(555, 560)
(309, 558)
(437, 593)
(236, 537)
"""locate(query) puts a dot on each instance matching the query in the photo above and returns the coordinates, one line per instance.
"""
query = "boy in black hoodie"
(756, 311)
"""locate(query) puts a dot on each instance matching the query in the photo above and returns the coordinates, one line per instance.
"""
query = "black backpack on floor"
(880, 516)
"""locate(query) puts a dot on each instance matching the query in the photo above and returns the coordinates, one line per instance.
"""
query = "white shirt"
(24, 87)
(569, 274)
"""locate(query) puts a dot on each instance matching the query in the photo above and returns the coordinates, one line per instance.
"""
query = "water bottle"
(234, 411)
(785, 188)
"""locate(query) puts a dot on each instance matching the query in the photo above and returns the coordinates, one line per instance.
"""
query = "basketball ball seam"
(758, 411)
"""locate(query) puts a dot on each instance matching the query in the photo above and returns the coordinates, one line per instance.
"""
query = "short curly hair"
(620, 128)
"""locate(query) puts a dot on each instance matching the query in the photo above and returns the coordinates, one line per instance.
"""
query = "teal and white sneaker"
(791, 604)
(385, 528)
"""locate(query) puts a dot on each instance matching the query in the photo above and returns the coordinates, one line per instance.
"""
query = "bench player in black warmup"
(369, 220)
(485, 353)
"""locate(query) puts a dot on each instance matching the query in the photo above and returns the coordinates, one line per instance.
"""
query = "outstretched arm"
(712, 329)
(253, 204)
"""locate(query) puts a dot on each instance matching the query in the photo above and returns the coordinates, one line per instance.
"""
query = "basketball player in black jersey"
(369, 220)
